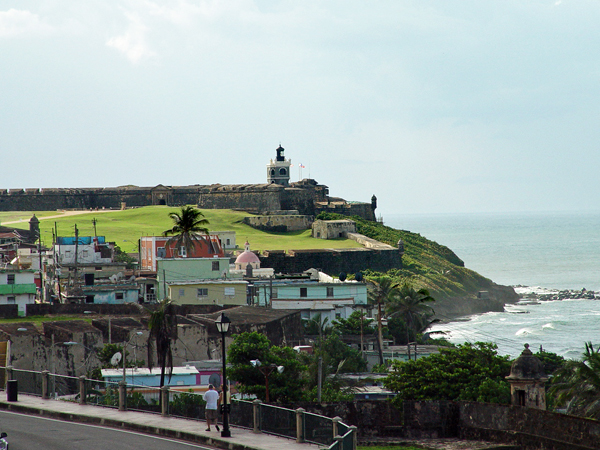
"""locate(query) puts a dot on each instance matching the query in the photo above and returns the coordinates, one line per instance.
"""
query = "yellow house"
(208, 292)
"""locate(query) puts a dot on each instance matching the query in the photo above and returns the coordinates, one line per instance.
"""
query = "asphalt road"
(32, 433)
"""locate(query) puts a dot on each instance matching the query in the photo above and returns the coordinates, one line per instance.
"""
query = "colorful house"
(17, 287)
(155, 248)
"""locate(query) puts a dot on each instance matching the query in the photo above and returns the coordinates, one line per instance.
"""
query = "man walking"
(211, 397)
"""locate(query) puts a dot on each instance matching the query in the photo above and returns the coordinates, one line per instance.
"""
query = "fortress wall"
(332, 261)
(363, 210)
(280, 223)
(302, 200)
(266, 200)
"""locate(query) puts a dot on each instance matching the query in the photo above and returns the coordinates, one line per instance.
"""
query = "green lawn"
(126, 227)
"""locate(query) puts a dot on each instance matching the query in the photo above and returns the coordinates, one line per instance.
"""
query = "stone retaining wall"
(332, 261)
(280, 223)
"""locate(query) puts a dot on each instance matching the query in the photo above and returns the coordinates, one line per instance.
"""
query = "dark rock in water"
(560, 295)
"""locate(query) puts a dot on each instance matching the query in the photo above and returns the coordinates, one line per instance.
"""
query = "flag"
(302, 166)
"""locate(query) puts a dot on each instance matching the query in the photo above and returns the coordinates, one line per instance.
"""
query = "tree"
(381, 290)
(356, 324)
(576, 385)
(410, 304)
(317, 326)
(163, 330)
(188, 224)
(105, 355)
(283, 387)
(469, 372)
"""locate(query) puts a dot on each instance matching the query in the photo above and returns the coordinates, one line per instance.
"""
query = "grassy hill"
(430, 265)
(426, 263)
(126, 227)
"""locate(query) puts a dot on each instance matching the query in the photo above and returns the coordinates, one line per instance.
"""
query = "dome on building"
(527, 367)
(247, 257)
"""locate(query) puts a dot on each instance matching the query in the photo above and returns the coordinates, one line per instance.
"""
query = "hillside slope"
(435, 267)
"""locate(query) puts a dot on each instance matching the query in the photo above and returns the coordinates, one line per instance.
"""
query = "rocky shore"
(542, 295)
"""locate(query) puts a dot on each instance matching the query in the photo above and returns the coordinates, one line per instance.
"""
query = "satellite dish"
(215, 380)
(116, 358)
(358, 276)
(343, 276)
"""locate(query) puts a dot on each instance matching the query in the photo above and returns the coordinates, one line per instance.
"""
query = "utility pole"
(76, 251)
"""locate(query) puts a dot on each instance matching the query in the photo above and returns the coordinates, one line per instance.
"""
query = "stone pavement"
(171, 427)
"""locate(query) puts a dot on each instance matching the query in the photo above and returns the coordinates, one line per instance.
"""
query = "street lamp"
(223, 323)
(266, 371)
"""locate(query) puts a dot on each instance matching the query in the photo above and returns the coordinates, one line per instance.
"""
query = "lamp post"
(223, 323)
(266, 371)
(138, 333)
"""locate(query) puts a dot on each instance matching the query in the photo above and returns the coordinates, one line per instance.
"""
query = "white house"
(17, 287)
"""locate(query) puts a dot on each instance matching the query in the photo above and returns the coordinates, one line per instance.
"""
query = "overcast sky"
(433, 106)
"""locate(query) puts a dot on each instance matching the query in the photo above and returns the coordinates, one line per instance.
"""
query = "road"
(37, 433)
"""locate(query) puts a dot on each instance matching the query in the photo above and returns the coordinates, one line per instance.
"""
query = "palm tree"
(188, 223)
(576, 385)
(317, 325)
(381, 290)
(411, 305)
(163, 330)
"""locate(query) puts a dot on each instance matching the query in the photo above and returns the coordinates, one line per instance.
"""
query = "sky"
(433, 106)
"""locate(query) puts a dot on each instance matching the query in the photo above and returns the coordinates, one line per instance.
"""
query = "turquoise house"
(182, 376)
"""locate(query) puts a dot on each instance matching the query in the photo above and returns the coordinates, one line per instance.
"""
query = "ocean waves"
(558, 326)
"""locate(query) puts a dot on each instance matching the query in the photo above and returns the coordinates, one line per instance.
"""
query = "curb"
(121, 424)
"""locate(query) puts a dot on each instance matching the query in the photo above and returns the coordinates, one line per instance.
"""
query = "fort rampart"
(526, 428)
(332, 261)
(306, 196)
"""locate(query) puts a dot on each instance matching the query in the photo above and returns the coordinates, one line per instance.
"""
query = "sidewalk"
(183, 429)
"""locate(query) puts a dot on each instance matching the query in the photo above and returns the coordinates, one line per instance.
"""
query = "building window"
(274, 292)
(182, 252)
(202, 292)
(89, 299)
(330, 291)
(161, 252)
(98, 268)
(229, 292)
(228, 242)
(85, 253)
(10, 300)
(119, 295)
(10, 278)
(181, 292)
(282, 172)
(215, 266)
(303, 292)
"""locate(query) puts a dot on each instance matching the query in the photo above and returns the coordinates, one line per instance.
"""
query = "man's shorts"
(211, 414)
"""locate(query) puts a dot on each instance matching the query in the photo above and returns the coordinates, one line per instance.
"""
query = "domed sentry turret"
(527, 381)
(34, 229)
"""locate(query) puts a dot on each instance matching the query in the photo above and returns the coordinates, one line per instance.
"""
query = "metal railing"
(259, 417)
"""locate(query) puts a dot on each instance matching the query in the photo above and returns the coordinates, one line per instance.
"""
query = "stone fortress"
(277, 196)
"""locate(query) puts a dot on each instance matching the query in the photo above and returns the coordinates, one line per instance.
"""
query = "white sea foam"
(548, 326)
(524, 332)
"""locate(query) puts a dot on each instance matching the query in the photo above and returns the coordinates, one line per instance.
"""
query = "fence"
(296, 424)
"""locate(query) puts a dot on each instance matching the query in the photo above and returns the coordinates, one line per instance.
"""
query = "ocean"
(536, 251)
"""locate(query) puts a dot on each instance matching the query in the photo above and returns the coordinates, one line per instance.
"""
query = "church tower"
(278, 171)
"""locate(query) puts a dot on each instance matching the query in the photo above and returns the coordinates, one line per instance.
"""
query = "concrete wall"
(279, 223)
(332, 261)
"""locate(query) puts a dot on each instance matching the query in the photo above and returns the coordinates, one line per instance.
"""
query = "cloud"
(19, 23)
(133, 43)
